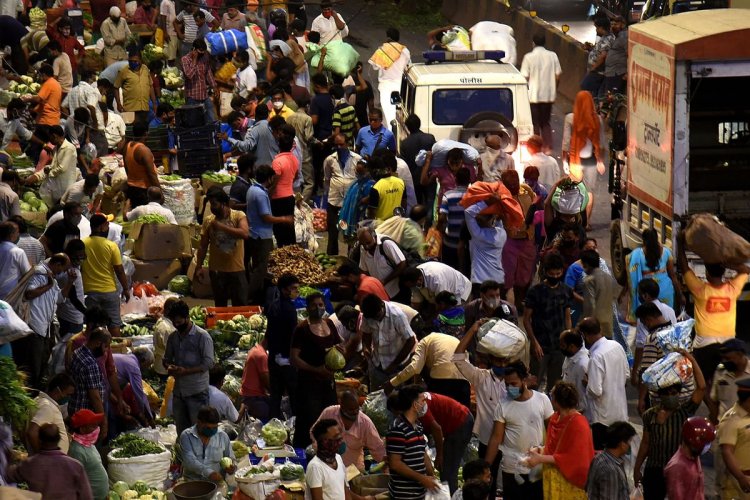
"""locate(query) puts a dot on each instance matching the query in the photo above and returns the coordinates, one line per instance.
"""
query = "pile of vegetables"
(134, 331)
(179, 284)
(175, 98)
(375, 408)
(27, 85)
(139, 490)
(305, 291)
(172, 78)
(141, 288)
(198, 316)
(274, 433)
(152, 219)
(151, 52)
(293, 259)
(130, 445)
(292, 472)
(30, 203)
(218, 177)
(258, 469)
(231, 387)
(240, 449)
(248, 340)
(327, 261)
(15, 405)
(320, 220)
(171, 177)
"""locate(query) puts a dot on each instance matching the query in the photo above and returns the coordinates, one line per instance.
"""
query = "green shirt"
(345, 118)
(92, 464)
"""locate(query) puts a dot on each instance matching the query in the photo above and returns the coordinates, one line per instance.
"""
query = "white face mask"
(422, 411)
(278, 105)
(491, 303)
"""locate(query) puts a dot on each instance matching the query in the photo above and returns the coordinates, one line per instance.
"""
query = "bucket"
(194, 490)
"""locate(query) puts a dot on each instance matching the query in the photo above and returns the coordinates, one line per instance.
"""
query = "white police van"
(465, 96)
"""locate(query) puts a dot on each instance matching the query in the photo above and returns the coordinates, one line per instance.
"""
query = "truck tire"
(490, 122)
(617, 254)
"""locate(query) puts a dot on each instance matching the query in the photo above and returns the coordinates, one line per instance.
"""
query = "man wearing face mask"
(607, 479)
(575, 366)
(520, 422)
(137, 88)
(278, 107)
(188, 357)
(315, 386)
(661, 436)
(338, 175)
(359, 431)
(115, 33)
(489, 389)
(489, 300)
(326, 472)
(199, 78)
(204, 446)
(684, 473)
(60, 30)
(84, 369)
(49, 406)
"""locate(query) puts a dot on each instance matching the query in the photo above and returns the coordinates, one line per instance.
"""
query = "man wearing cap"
(86, 427)
(329, 24)
(103, 262)
(115, 33)
(734, 440)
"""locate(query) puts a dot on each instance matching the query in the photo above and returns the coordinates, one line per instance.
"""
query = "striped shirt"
(190, 28)
(664, 439)
(345, 118)
(607, 479)
(455, 212)
(409, 442)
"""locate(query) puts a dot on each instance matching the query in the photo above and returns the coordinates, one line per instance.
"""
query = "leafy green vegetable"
(292, 472)
(240, 449)
(120, 487)
(334, 359)
(152, 219)
(218, 177)
(141, 487)
(134, 446)
(171, 177)
(225, 463)
(180, 284)
(306, 291)
(15, 405)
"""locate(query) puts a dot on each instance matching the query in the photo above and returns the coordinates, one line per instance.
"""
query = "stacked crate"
(198, 147)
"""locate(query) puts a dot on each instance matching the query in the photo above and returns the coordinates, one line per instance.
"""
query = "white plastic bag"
(672, 369)
(304, 227)
(179, 197)
(504, 340)
(152, 469)
(489, 35)
(440, 153)
(442, 492)
(11, 326)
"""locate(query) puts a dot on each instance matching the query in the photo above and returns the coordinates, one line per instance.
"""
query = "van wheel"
(489, 123)
(617, 254)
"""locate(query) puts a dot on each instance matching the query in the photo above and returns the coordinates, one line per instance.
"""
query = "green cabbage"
(292, 472)
(141, 487)
(180, 284)
(334, 359)
(120, 487)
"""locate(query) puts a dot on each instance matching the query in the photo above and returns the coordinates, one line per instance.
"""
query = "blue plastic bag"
(301, 302)
(675, 337)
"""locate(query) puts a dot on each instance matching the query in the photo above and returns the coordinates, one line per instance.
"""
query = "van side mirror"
(395, 98)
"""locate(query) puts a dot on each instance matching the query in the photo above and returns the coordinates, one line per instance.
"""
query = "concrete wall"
(570, 52)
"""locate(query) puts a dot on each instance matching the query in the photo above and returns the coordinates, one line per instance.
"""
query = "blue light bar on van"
(434, 56)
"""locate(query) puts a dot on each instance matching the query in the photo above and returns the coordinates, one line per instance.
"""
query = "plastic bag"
(304, 228)
(442, 492)
(340, 56)
(227, 41)
(503, 339)
(249, 430)
(489, 35)
(273, 434)
(136, 305)
(672, 369)
(375, 408)
(179, 197)
(434, 243)
(12, 327)
(570, 200)
(152, 469)
(675, 336)
(440, 153)
(320, 218)
(164, 435)
(637, 493)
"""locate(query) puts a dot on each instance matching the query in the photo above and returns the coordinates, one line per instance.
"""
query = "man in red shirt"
(363, 284)
(62, 31)
(256, 383)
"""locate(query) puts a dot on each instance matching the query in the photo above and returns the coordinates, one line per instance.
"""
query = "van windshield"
(456, 106)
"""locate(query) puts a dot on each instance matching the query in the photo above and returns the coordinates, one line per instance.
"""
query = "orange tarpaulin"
(507, 208)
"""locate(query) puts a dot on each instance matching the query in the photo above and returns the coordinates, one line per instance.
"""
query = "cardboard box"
(200, 289)
(158, 272)
(160, 241)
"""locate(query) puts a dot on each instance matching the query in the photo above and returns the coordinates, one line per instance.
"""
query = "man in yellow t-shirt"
(104, 262)
(715, 307)
(223, 236)
(734, 442)
(388, 193)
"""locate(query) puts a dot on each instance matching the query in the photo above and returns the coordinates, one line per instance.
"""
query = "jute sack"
(714, 242)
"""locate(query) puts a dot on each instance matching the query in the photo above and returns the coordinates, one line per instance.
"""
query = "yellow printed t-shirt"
(225, 253)
(390, 192)
(97, 270)
(715, 307)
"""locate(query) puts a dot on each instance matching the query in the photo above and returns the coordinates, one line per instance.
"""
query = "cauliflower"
(27, 79)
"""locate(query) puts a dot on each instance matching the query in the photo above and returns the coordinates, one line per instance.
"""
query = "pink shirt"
(256, 364)
(285, 165)
(360, 435)
(684, 476)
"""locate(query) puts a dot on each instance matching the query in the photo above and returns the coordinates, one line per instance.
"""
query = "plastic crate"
(192, 164)
(214, 314)
(190, 115)
(198, 138)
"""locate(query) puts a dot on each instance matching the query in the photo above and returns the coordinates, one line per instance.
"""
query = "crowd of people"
(551, 422)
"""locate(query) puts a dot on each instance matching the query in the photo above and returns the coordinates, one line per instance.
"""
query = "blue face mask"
(514, 392)
(134, 65)
(499, 371)
(342, 448)
(209, 431)
(63, 401)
